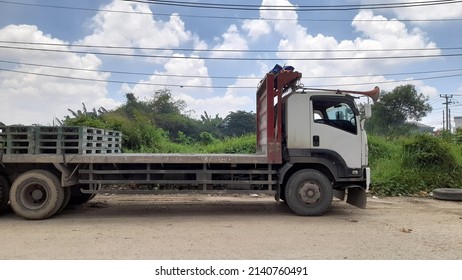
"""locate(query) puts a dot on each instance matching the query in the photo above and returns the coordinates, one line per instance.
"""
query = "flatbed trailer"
(290, 161)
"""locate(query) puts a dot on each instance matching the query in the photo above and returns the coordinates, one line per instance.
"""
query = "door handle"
(316, 140)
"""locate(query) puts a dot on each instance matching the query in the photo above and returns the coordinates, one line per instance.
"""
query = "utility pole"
(447, 97)
(444, 123)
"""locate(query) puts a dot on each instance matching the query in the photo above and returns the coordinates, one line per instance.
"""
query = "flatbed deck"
(137, 158)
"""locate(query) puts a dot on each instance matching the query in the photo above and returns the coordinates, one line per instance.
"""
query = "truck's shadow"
(190, 209)
(162, 209)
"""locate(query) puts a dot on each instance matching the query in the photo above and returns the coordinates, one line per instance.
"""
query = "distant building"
(458, 122)
(422, 128)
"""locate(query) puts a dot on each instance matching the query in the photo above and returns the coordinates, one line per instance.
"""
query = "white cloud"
(428, 12)
(378, 36)
(28, 98)
(133, 29)
(234, 99)
(287, 22)
(390, 34)
(256, 28)
(221, 105)
(232, 40)
(177, 77)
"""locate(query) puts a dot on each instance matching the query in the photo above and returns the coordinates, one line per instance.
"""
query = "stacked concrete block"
(17, 140)
(59, 140)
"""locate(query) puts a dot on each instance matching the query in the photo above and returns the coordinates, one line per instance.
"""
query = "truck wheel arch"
(288, 169)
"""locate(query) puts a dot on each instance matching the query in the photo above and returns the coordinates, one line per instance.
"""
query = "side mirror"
(367, 111)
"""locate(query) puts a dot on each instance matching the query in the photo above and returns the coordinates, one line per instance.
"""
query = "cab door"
(335, 129)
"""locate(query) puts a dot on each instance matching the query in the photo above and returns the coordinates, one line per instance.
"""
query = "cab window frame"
(320, 105)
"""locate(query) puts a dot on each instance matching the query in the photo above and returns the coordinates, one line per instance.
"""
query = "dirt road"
(236, 227)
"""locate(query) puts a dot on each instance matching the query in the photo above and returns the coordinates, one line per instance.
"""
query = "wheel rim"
(34, 196)
(309, 193)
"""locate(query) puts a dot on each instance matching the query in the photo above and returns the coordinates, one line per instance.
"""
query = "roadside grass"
(234, 145)
(414, 165)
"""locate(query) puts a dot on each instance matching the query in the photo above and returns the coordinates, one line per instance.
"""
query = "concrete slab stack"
(59, 140)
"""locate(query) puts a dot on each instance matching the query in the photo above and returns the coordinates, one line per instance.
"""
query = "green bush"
(236, 145)
(414, 166)
(382, 149)
(428, 152)
(206, 138)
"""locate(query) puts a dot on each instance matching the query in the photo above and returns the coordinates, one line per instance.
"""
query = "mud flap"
(357, 197)
(277, 195)
(340, 194)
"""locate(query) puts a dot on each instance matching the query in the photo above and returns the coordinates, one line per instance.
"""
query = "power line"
(298, 8)
(113, 81)
(228, 77)
(216, 87)
(226, 50)
(236, 58)
(224, 17)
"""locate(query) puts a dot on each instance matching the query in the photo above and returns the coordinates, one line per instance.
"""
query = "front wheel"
(308, 192)
(36, 195)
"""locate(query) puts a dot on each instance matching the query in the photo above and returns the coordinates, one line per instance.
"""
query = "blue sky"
(196, 64)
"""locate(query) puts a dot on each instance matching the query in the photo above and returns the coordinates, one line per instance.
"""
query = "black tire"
(4, 193)
(67, 197)
(77, 197)
(36, 195)
(448, 194)
(309, 192)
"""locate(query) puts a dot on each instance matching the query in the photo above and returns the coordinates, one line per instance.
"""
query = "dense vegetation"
(415, 165)
(403, 160)
(162, 125)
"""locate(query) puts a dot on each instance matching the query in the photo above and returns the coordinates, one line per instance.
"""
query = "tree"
(239, 123)
(391, 113)
(164, 104)
(133, 106)
(212, 125)
(86, 118)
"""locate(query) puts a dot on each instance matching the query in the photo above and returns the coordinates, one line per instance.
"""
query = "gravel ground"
(237, 227)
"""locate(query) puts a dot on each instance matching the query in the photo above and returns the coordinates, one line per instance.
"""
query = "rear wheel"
(67, 197)
(308, 192)
(36, 195)
(4, 192)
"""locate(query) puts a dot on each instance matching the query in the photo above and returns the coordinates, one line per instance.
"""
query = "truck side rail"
(199, 177)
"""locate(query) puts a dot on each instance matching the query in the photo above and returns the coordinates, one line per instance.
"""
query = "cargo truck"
(311, 146)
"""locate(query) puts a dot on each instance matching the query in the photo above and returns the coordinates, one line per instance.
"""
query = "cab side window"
(335, 112)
